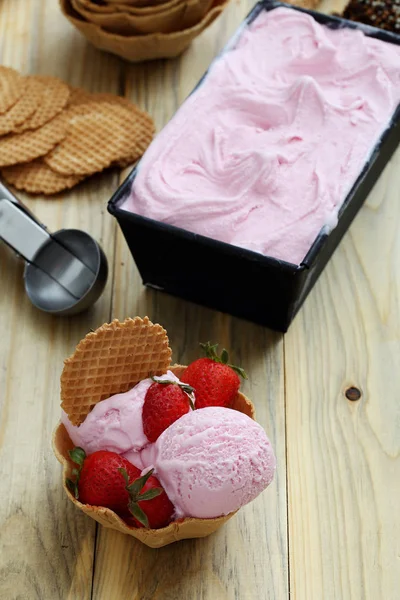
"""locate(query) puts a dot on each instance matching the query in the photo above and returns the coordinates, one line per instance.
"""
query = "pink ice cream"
(263, 154)
(115, 424)
(212, 461)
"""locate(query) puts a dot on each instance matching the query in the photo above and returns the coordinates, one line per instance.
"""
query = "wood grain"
(247, 558)
(247, 555)
(332, 531)
(343, 456)
(46, 547)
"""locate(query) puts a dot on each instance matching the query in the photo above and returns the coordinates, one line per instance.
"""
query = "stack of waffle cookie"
(52, 136)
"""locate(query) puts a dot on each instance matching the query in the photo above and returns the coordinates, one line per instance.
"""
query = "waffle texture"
(23, 108)
(36, 177)
(145, 131)
(84, 151)
(53, 97)
(26, 146)
(88, 132)
(112, 360)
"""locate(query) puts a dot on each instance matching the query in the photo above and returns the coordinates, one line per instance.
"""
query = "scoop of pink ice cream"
(212, 461)
(115, 424)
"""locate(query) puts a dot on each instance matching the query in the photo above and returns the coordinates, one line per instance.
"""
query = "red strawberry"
(99, 481)
(216, 382)
(152, 508)
(165, 402)
(107, 479)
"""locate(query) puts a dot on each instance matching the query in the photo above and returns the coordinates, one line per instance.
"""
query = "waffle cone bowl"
(109, 361)
(126, 6)
(173, 16)
(88, 8)
(141, 33)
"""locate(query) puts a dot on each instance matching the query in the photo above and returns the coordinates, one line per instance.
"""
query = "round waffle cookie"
(53, 97)
(12, 86)
(23, 108)
(100, 133)
(112, 360)
(37, 178)
(23, 147)
(80, 96)
(145, 133)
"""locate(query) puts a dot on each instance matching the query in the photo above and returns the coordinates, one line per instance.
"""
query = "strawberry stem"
(134, 490)
(184, 386)
(188, 389)
(211, 352)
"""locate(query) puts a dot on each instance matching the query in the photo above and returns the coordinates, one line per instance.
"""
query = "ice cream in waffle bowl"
(158, 452)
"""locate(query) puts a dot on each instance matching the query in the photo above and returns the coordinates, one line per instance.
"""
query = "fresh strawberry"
(107, 479)
(165, 402)
(99, 481)
(215, 381)
(149, 505)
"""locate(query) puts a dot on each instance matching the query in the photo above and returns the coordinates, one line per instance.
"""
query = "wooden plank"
(343, 456)
(46, 546)
(247, 558)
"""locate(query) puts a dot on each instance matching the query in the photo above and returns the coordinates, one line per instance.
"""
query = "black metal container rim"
(119, 196)
(228, 249)
(382, 34)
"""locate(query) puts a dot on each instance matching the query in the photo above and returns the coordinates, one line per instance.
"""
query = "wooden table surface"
(328, 528)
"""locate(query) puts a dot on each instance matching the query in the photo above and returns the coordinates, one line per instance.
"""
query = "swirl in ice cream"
(263, 154)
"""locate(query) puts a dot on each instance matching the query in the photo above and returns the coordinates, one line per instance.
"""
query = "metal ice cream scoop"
(66, 271)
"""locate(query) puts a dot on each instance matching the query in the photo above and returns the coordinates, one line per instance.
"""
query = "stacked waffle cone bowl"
(112, 360)
(140, 30)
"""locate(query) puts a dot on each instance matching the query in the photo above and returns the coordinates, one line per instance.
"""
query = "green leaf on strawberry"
(78, 456)
(98, 482)
(211, 352)
(184, 386)
(135, 496)
(224, 357)
(150, 494)
(138, 514)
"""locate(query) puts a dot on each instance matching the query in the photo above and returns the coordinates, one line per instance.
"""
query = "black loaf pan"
(237, 281)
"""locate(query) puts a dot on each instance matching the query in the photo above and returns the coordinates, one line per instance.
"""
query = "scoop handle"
(19, 228)
(6, 193)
